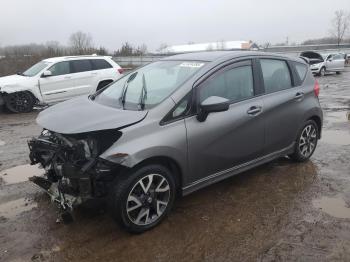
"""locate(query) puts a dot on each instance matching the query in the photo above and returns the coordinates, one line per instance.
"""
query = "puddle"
(2, 143)
(20, 174)
(15, 207)
(336, 137)
(338, 117)
(335, 207)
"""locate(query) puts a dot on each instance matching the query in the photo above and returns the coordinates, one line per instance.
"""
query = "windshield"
(149, 85)
(35, 69)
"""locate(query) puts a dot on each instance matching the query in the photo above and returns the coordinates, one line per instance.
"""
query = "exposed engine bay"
(74, 171)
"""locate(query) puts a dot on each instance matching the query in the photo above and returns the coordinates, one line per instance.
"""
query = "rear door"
(59, 85)
(339, 62)
(84, 76)
(282, 104)
(230, 138)
(104, 69)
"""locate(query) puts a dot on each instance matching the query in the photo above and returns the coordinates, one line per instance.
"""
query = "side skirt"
(216, 177)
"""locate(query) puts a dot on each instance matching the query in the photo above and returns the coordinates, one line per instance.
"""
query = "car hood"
(312, 55)
(80, 115)
(12, 80)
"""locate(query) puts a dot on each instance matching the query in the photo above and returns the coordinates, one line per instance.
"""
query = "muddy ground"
(281, 211)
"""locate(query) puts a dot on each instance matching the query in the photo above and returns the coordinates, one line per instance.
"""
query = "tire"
(338, 73)
(322, 71)
(306, 142)
(20, 102)
(140, 199)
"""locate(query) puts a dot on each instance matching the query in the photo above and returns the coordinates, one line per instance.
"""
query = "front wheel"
(306, 142)
(141, 199)
(322, 71)
(20, 102)
(338, 72)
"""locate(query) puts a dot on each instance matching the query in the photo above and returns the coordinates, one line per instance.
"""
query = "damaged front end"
(74, 171)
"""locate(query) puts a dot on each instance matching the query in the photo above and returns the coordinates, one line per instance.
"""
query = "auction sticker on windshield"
(191, 64)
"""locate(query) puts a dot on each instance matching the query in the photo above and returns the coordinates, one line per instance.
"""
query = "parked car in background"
(56, 79)
(175, 126)
(347, 59)
(320, 64)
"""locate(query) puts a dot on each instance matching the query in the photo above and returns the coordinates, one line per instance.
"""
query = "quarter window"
(301, 70)
(276, 75)
(61, 68)
(235, 84)
(98, 64)
(81, 66)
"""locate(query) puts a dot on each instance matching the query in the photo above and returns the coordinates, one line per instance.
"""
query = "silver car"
(175, 126)
(321, 64)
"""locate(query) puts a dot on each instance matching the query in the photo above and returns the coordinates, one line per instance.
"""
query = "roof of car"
(65, 58)
(211, 56)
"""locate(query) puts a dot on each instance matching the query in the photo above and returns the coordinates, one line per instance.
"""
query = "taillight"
(120, 70)
(316, 88)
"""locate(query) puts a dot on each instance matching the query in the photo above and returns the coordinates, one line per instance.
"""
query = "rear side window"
(235, 84)
(81, 66)
(98, 64)
(61, 68)
(276, 75)
(301, 70)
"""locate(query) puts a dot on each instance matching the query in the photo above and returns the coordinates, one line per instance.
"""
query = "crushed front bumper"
(70, 178)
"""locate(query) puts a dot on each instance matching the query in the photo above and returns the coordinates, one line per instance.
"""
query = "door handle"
(93, 74)
(299, 95)
(254, 110)
(67, 77)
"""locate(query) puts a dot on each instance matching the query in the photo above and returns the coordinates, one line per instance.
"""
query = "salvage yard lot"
(280, 211)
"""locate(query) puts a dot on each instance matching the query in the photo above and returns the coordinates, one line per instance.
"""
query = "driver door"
(58, 86)
(226, 139)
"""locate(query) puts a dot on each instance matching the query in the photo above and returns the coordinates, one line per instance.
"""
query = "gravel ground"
(281, 211)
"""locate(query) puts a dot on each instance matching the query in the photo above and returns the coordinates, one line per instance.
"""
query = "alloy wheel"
(323, 71)
(20, 102)
(148, 199)
(307, 141)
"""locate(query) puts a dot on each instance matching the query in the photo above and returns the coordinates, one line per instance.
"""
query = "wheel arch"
(318, 121)
(167, 162)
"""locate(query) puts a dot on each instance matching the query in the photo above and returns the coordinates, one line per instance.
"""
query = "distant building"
(221, 45)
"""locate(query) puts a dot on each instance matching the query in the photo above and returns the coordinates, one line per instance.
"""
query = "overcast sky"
(153, 22)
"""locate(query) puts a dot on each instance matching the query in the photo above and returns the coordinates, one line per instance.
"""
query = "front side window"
(276, 75)
(61, 68)
(149, 85)
(235, 84)
(81, 65)
(35, 69)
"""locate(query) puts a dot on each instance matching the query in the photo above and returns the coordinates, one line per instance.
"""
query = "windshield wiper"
(143, 94)
(125, 88)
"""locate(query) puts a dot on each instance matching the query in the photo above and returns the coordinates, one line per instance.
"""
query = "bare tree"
(340, 25)
(81, 43)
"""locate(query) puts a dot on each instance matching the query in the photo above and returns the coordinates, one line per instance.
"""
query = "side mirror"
(46, 73)
(210, 105)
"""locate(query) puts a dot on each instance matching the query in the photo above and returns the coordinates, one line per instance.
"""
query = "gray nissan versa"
(175, 126)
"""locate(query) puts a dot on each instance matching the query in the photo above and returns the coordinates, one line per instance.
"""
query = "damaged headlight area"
(74, 171)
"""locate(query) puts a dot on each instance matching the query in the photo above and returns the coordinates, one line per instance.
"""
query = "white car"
(320, 64)
(56, 79)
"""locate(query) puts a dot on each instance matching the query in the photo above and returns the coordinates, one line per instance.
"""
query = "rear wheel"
(338, 72)
(142, 199)
(20, 102)
(306, 142)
